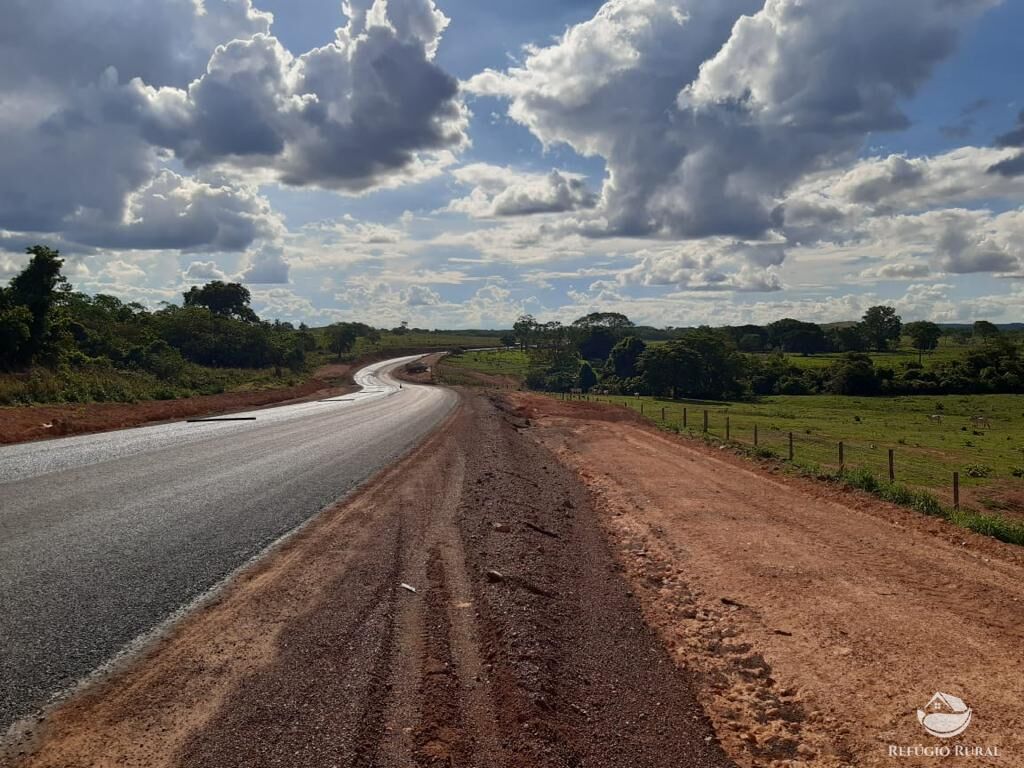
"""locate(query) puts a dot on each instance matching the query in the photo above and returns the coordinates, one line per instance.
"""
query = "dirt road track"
(817, 620)
(318, 657)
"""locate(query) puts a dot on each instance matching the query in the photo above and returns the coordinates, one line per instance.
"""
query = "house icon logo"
(945, 716)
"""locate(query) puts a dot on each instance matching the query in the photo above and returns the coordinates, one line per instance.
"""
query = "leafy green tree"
(525, 328)
(341, 338)
(797, 336)
(36, 288)
(924, 336)
(223, 299)
(15, 335)
(854, 374)
(882, 327)
(624, 357)
(703, 363)
(586, 378)
(983, 329)
(849, 338)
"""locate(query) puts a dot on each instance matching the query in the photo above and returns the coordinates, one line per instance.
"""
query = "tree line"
(604, 351)
(43, 322)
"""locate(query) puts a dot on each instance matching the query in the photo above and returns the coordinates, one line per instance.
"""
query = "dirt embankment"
(38, 422)
(420, 371)
(818, 621)
(463, 609)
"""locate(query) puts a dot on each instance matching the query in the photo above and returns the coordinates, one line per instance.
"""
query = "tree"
(703, 363)
(624, 356)
(223, 299)
(596, 342)
(342, 337)
(924, 336)
(855, 374)
(983, 329)
(507, 340)
(35, 289)
(525, 328)
(586, 378)
(796, 336)
(882, 327)
(849, 338)
(15, 334)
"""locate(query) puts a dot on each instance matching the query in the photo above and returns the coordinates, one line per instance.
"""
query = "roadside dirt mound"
(39, 422)
(817, 621)
(463, 609)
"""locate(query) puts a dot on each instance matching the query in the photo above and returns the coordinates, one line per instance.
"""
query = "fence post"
(662, 413)
(641, 407)
(892, 465)
(842, 460)
(726, 427)
(684, 417)
(956, 490)
(790, 446)
(705, 421)
(755, 435)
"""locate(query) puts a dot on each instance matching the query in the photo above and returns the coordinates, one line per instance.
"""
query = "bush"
(977, 470)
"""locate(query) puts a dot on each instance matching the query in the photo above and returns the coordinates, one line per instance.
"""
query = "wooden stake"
(956, 490)
(790, 446)
(892, 465)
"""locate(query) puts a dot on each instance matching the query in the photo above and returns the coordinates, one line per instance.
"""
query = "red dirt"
(817, 620)
(317, 656)
(40, 422)
(22, 424)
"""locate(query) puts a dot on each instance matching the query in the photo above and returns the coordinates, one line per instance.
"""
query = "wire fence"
(824, 454)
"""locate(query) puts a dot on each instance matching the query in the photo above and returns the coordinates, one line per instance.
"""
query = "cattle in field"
(981, 421)
(935, 418)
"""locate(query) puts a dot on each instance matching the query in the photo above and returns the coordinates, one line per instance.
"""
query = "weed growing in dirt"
(988, 525)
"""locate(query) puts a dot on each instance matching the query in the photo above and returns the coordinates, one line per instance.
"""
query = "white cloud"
(99, 97)
(203, 272)
(706, 113)
(503, 191)
(266, 266)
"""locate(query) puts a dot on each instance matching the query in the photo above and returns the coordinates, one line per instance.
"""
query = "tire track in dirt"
(817, 620)
(522, 644)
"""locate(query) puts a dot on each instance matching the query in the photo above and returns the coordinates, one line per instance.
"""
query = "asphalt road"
(104, 536)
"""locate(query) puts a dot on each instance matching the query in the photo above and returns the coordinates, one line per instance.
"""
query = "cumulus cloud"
(98, 98)
(267, 266)
(897, 271)
(361, 112)
(503, 191)
(706, 113)
(1012, 166)
(711, 265)
(203, 272)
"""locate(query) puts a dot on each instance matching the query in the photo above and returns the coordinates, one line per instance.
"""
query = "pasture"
(989, 456)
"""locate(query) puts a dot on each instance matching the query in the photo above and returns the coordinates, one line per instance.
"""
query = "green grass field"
(495, 362)
(428, 341)
(927, 451)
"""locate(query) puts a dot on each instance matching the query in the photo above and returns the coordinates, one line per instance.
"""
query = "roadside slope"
(318, 656)
(818, 620)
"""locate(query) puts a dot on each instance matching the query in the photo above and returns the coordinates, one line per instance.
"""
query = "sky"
(456, 164)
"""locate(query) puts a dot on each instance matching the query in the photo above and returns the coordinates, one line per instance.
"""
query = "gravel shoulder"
(816, 621)
(461, 609)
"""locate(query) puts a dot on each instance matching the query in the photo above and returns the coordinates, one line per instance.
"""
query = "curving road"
(104, 536)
